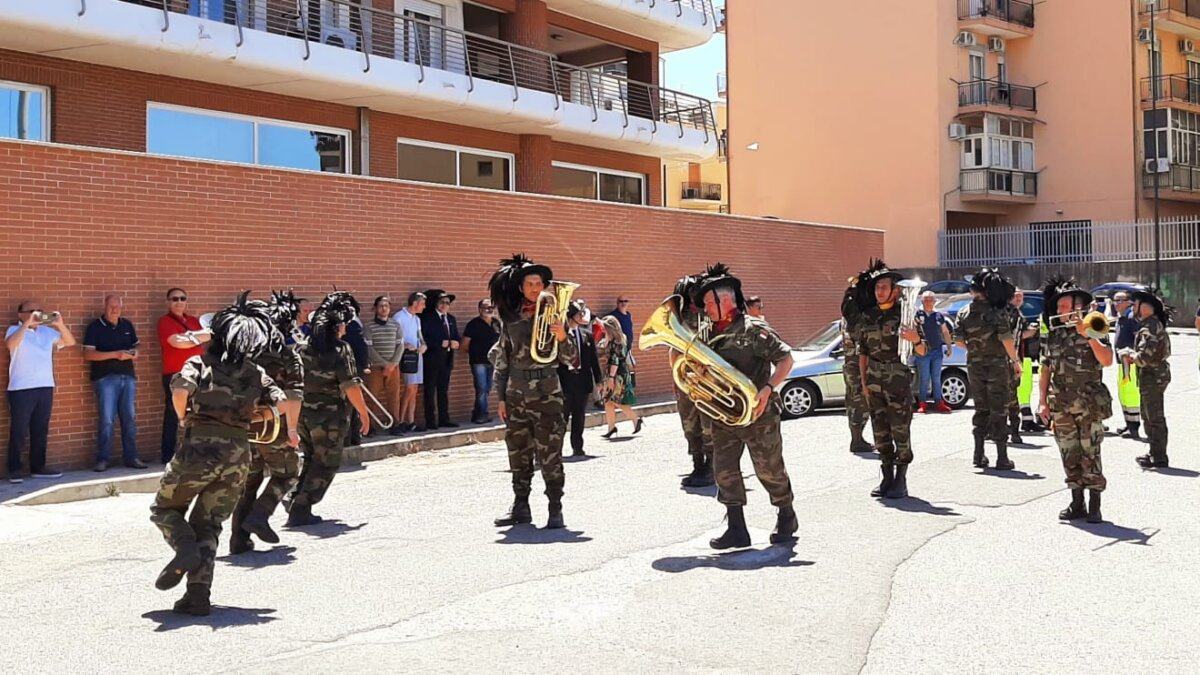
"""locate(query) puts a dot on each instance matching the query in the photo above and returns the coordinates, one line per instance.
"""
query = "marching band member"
(699, 444)
(1150, 353)
(856, 300)
(984, 327)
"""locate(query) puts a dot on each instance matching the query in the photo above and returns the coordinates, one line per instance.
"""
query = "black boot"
(1076, 509)
(889, 477)
(555, 521)
(239, 542)
(1003, 463)
(518, 513)
(701, 475)
(980, 460)
(1093, 512)
(187, 559)
(899, 489)
(194, 601)
(858, 444)
(736, 535)
(1152, 461)
(301, 515)
(785, 525)
(1131, 430)
(1014, 431)
(256, 523)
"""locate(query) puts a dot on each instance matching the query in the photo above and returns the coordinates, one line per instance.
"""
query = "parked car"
(1105, 291)
(949, 287)
(1031, 309)
(816, 377)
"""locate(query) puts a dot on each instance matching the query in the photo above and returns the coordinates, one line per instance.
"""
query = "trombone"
(265, 430)
(379, 414)
(1096, 323)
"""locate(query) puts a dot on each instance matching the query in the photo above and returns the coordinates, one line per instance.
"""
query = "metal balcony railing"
(1019, 12)
(705, 7)
(996, 93)
(1179, 177)
(1189, 7)
(377, 33)
(1171, 88)
(1068, 241)
(705, 191)
(1005, 182)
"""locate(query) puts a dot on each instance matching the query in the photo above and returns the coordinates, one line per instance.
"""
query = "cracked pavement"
(974, 573)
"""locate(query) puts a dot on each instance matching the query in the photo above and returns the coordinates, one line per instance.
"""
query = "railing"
(1171, 88)
(1188, 7)
(705, 7)
(1012, 11)
(378, 33)
(996, 93)
(705, 191)
(1005, 182)
(1179, 177)
(1065, 242)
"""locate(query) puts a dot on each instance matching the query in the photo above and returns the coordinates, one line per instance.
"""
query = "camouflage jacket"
(983, 329)
(1076, 376)
(287, 369)
(878, 334)
(850, 339)
(326, 378)
(513, 360)
(751, 346)
(1152, 346)
(222, 397)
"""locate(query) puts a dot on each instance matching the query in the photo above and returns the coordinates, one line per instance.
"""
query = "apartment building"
(928, 116)
(701, 186)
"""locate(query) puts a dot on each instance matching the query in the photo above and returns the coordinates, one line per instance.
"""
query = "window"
(607, 185)
(450, 165)
(24, 112)
(204, 134)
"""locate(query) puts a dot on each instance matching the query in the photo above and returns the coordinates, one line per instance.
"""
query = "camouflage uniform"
(278, 459)
(1151, 350)
(324, 416)
(983, 328)
(889, 384)
(694, 429)
(1079, 403)
(857, 411)
(534, 404)
(752, 347)
(213, 456)
(1016, 325)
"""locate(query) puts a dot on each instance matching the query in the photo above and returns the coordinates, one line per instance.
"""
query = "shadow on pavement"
(735, 561)
(1174, 471)
(1117, 533)
(276, 555)
(575, 459)
(918, 505)
(221, 617)
(620, 439)
(327, 529)
(1012, 474)
(706, 491)
(870, 455)
(528, 534)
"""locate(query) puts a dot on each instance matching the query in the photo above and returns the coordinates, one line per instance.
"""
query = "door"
(1193, 74)
(977, 65)
(422, 38)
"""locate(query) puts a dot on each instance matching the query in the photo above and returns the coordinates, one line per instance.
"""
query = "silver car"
(816, 377)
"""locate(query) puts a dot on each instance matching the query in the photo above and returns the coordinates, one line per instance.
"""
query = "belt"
(532, 374)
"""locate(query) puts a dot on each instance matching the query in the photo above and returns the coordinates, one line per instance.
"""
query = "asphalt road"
(972, 574)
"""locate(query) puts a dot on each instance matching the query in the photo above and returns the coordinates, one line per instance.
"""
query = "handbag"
(409, 361)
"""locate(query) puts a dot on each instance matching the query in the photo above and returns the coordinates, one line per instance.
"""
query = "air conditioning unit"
(995, 44)
(965, 39)
(1160, 165)
(339, 37)
(1187, 47)
(958, 130)
(1145, 35)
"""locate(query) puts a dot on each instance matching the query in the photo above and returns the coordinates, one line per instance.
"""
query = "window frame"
(458, 150)
(597, 170)
(347, 160)
(46, 109)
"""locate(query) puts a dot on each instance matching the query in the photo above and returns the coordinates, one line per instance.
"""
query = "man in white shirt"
(409, 319)
(31, 346)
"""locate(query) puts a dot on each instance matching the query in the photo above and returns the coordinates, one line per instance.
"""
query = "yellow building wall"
(714, 171)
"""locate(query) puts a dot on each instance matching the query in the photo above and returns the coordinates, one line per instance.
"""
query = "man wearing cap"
(1150, 353)
(440, 330)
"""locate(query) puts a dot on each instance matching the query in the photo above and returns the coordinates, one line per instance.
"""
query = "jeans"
(482, 372)
(29, 415)
(929, 376)
(114, 396)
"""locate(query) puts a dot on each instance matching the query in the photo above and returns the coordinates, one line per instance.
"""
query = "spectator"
(621, 312)
(478, 337)
(110, 346)
(1127, 385)
(302, 319)
(358, 345)
(754, 306)
(582, 375)
(180, 337)
(31, 345)
(440, 329)
(935, 331)
(385, 346)
(412, 362)
(617, 389)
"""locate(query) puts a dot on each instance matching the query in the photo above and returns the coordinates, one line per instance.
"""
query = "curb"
(90, 489)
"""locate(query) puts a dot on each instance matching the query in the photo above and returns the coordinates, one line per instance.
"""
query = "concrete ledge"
(90, 489)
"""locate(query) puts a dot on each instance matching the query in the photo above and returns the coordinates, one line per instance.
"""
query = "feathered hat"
(995, 287)
(241, 331)
(717, 277)
(505, 285)
(686, 289)
(860, 294)
(1056, 287)
(1153, 296)
(880, 270)
(338, 307)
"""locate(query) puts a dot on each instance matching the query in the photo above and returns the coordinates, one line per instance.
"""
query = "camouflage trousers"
(991, 387)
(1012, 405)
(535, 427)
(890, 398)
(281, 464)
(856, 404)
(321, 443)
(206, 474)
(1079, 438)
(699, 444)
(1152, 385)
(765, 442)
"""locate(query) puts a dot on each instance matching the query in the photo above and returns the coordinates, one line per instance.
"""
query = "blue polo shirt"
(931, 324)
(626, 324)
(1127, 328)
(106, 337)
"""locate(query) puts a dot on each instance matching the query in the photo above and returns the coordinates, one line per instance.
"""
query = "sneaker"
(46, 473)
(942, 407)
(922, 407)
(15, 479)
(135, 464)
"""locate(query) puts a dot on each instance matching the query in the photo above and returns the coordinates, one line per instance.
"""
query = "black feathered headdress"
(1056, 287)
(997, 289)
(1153, 296)
(717, 277)
(860, 294)
(880, 270)
(284, 310)
(686, 289)
(505, 285)
(339, 307)
(240, 331)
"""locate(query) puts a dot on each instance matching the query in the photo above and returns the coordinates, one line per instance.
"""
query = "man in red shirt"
(180, 337)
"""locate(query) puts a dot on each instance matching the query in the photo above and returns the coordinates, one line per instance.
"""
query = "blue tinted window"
(22, 113)
(297, 148)
(188, 134)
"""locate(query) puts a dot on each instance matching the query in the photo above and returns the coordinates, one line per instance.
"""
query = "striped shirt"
(385, 340)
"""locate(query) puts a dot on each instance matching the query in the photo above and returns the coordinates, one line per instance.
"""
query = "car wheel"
(954, 388)
(799, 397)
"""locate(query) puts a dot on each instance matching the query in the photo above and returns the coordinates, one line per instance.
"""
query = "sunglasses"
(622, 302)
(178, 298)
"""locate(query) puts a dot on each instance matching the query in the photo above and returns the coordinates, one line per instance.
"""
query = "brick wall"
(79, 223)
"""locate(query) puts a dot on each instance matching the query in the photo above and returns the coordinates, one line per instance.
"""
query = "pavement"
(974, 573)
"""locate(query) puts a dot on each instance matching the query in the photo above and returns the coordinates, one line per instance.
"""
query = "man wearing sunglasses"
(180, 337)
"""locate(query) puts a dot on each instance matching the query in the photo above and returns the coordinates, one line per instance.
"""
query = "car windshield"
(822, 338)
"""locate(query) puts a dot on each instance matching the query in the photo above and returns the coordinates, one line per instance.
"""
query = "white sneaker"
(16, 479)
(46, 473)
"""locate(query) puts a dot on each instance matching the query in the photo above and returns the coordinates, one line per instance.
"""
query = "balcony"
(700, 192)
(357, 56)
(1181, 17)
(673, 24)
(722, 85)
(1180, 183)
(1009, 19)
(993, 96)
(998, 186)
(1171, 91)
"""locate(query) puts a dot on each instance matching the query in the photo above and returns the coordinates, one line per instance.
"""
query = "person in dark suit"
(581, 376)
(440, 330)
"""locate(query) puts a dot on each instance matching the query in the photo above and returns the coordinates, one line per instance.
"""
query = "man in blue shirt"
(622, 313)
(110, 347)
(936, 334)
(1127, 382)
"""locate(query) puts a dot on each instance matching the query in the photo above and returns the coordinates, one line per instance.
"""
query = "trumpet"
(45, 318)
(550, 310)
(266, 429)
(379, 414)
(1096, 323)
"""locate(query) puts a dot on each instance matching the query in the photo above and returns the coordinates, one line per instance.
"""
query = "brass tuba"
(550, 310)
(264, 431)
(718, 389)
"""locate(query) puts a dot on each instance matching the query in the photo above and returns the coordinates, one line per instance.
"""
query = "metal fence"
(998, 181)
(1188, 7)
(1068, 242)
(1174, 88)
(378, 33)
(997, 93)
(696, 190)
(1013, 11)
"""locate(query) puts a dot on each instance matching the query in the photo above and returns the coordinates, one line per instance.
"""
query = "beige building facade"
(701, 186)
(916, 116)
